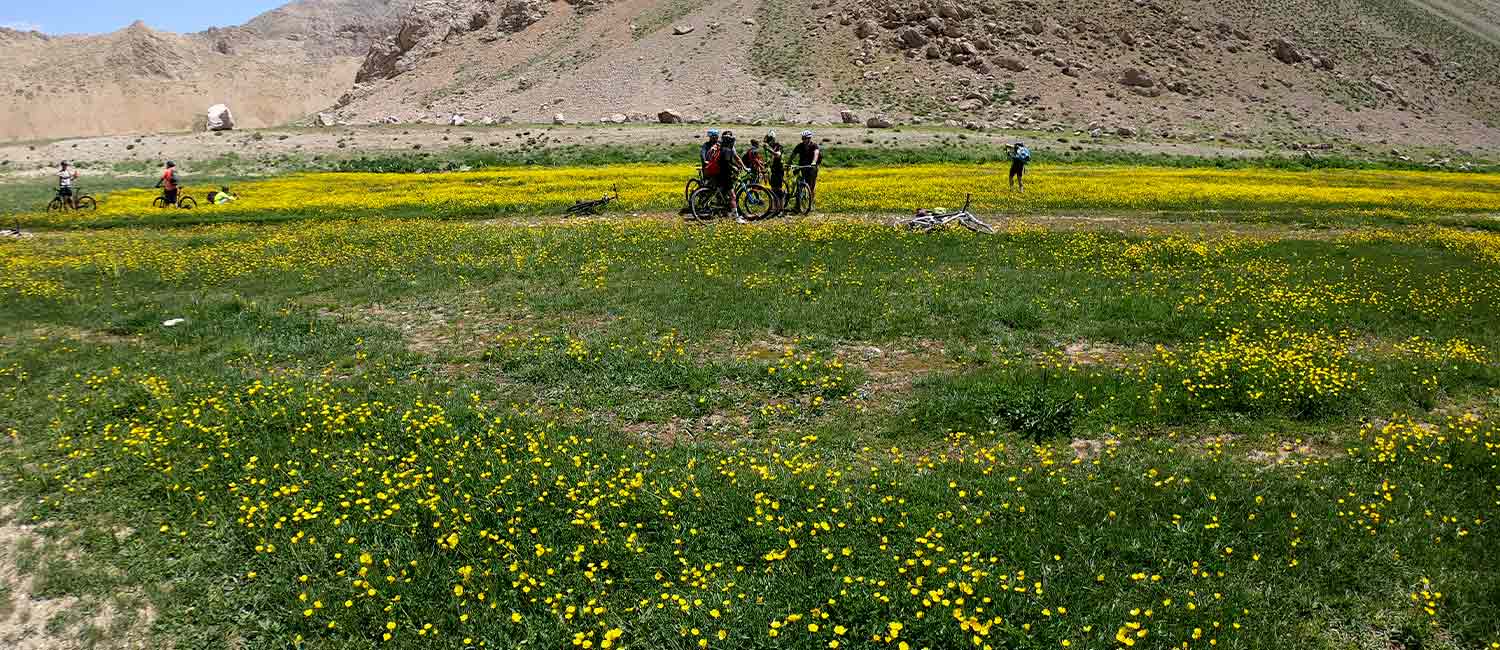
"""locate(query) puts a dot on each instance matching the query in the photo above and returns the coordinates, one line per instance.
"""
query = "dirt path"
(1454, 11)
(281, 147)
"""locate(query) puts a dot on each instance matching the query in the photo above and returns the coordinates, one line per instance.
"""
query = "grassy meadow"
(1160, 408)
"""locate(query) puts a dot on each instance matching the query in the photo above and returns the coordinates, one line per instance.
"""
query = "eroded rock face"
(431, 23)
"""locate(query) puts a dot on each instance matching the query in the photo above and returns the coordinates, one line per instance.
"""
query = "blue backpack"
(1023, 154)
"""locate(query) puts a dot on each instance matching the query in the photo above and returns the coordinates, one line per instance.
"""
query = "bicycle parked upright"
(71, 200)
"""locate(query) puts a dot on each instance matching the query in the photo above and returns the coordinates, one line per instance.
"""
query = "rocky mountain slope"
(1273, 72)
(278, 67)
(1393, 71)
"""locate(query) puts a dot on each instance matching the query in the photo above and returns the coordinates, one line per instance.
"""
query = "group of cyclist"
(721, 164)
(169, 182)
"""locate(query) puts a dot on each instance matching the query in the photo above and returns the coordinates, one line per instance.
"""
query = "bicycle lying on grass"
(755, 201)
(77, 201)
(925, 221)
(593, 207)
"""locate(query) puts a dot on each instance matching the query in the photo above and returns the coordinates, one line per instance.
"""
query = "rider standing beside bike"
(755, 161)
(703, 151)
(65, 177)
(728, 170)
(809, 156)
(168, 183)
(778, 168)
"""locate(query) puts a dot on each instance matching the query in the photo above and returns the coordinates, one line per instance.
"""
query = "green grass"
(662, 408)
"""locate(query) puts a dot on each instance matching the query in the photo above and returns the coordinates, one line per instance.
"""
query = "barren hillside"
(276, 68)
(1403, 71)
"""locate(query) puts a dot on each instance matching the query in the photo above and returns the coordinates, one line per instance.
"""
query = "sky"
(100, 16)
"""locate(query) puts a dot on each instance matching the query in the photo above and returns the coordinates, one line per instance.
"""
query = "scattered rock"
(682, 30)
(1136, 77)
(618, 118)
(866, 28)
(457, 120)
(912, 38)
(173, 322)
(220, 118)
(1011, 63)
(1286, 52)
(559, 119)
(1381, 84)
(878, 123)
(669, 117)
(391, 119)
(324, 119)
(1126, 132)
(848, 117)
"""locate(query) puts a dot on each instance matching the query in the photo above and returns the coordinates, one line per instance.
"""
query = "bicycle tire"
(187, 203)
(976, 226)
(86, 202)
(756, 202)
(55, 206)
(160, 202)
(802, 198)
(693, 185)
(704, 204)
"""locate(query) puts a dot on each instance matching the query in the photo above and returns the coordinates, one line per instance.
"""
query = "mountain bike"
(184, 201)
(755, 201)
(925, 221)
(78, 201)
(693, 185)
(593, 207)
(798, 198)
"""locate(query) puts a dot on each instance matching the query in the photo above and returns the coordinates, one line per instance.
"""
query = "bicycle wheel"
(756, 202)
(975, 225)
(692, 186)
(705, 204)
(86, 202)
(801, 200)
(160, 202)
(187, 203)
(55, 206)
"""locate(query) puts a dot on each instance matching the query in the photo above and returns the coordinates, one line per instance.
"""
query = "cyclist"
(65, 177)
(222, 196)
(778, 167)
(1019, 156)
(168, 183)
(730, 167)
(755, 162)
(713, 139)
(809, 156)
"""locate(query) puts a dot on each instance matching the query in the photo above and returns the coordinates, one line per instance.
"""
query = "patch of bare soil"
(31, 622)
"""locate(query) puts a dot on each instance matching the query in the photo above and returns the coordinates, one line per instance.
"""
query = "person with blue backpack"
(1019, 156)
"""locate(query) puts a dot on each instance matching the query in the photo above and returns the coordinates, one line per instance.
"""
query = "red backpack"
(711, 168)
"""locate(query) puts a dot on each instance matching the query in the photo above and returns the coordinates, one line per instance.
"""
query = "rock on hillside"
(423, 29)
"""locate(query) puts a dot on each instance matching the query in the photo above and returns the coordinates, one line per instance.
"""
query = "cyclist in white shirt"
(65, 177)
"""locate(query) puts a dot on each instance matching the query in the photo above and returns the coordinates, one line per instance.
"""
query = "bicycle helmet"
(807, 134)
(770, 136)
(171, 164)
(728, 139)
(713, 133)
(63, 164)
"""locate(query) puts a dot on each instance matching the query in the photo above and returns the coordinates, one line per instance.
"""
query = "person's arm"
(159, 181)
(817, 156)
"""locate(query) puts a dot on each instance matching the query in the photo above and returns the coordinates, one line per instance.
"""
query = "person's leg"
(1021, 178)
(811, 176)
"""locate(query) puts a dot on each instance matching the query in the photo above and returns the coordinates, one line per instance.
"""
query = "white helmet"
(807, 134)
